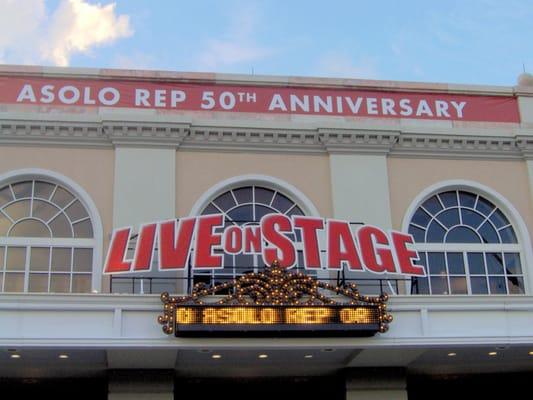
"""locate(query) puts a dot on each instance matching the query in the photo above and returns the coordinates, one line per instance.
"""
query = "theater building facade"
(98, 160)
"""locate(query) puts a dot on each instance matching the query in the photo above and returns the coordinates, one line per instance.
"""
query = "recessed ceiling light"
(15, 355)
(328, 350)
(216, 356)
(493, 353)
(452, 354)
(531, 353)
(63, 356)
(263, 355)
(308, 356)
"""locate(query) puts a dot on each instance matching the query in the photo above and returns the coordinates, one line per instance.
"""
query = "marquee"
(274, 302)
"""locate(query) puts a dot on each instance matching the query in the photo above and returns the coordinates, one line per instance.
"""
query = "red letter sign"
(145, 248)
(405, 256)
(174, 249)
(309, 227)
(115, 262)
(282, 248)
(206, 239)
(341, 246)
(376, 259)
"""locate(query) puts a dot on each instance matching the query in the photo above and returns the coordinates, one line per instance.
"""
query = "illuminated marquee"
(274, 302)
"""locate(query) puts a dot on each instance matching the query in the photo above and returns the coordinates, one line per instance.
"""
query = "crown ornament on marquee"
(274, 286)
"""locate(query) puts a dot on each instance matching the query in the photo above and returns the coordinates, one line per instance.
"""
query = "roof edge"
(261, 80)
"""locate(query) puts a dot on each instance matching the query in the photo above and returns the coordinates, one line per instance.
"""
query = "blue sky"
(477, 41)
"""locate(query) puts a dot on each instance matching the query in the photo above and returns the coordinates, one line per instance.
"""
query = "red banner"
(346, 102)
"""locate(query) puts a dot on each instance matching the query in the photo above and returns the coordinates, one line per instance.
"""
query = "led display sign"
(274, 302)
(247, 320)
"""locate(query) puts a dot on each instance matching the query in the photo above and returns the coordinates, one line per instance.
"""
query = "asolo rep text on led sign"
(213, 320)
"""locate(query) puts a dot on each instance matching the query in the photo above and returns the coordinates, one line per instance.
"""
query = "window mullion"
(27, 269)
(7, 216)
(49, 268)
(447, 273)
(4, 269)
(467, 272)
(12, 193)
(71, 269)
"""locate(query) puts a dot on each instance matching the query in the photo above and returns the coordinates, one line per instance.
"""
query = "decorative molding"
(358, 141)
(255, 179)
(52, 133)
(145, 134)
(394, 141)
(525, 144)
(452, 146)
(254, 139)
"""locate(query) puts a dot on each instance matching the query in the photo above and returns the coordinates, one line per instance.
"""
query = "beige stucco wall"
(92, 169)
(197, 171)
(409, 177)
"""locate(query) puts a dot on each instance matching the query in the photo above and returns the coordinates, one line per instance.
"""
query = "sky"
(473, 42)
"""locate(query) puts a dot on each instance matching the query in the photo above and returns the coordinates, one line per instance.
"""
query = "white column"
(141, 385)
(376, 384)
(525, 106)
(145, 191)
(144, 188)
(360, 188)
(360, 193)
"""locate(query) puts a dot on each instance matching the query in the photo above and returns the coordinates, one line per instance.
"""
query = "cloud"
(340, 65)
(29, 35)
(236, 46)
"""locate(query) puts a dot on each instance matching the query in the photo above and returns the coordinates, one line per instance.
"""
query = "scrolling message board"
(250, 320)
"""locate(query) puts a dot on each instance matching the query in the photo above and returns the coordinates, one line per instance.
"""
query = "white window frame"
(96, 242)
(268, 182)
(523, 247)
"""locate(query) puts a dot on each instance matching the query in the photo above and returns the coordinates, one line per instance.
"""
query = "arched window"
(244, 201)
(467, 246)
(47, 239)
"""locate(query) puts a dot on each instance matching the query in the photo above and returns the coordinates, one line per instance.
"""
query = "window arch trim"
(244, 180)
(516, 220)
(48, 175)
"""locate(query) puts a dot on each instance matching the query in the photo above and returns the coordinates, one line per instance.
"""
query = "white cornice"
(453, 143)
(358, 141)
(52, 132)
(525, 144)
(451, 146)
(254, 139)
(137, 134)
